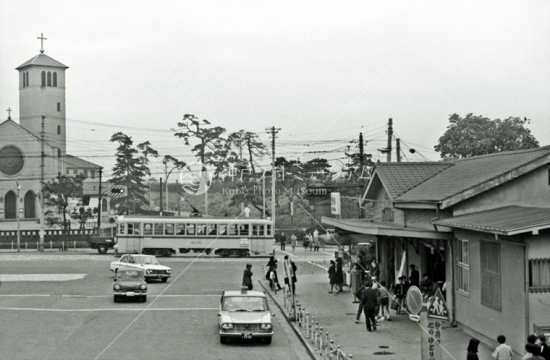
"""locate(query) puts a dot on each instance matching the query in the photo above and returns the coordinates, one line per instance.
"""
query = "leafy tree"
(210, 148)
(130, 170)
(318, 168)
(82, 216)
(58, 191)
(477, 135)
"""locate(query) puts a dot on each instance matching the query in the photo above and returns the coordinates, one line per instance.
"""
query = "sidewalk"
(396, 339)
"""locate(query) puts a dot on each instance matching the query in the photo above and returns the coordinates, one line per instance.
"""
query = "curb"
(294, 327)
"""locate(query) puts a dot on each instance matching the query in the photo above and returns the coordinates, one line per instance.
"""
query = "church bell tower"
(42, 94)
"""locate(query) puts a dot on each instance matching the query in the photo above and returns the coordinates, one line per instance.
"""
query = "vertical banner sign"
(335, 203)
(430, 338)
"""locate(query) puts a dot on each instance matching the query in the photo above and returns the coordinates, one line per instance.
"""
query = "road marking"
(319, 266)
(99, 310)
(41, 277)
(104, 296)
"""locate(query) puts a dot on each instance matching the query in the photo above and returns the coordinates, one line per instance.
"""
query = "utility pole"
(390, 135)
(41, 231)
(273, 131)
(398, 149)
(99, 203)
(160, 196)
(361, 151)
(17, 216)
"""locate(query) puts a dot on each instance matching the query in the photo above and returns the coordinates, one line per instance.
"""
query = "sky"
(321, 71)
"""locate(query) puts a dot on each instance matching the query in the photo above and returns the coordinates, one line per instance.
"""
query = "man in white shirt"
(502, 351)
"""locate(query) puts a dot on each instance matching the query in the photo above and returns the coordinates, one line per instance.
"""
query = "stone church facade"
(34, 150)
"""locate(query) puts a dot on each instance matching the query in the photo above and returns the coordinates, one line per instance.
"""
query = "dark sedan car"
(130, 284)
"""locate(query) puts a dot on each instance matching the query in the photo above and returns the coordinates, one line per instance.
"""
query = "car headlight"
(117, 287)
(266, 326)
(143, 287)
(227, 326)
(148, 271)
(169, 271)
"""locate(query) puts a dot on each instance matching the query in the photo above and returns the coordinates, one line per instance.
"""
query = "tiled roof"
(399, 178)
(42, 60)
(78, 163)
(509, 220)
(467, 173)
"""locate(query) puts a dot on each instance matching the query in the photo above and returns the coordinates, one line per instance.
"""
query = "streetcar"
(165, 236)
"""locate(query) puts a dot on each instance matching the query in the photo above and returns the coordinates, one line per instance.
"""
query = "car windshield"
(146, 260)
(244, 303)
(130, 275)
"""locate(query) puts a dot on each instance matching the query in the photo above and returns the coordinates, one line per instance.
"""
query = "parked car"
(130, 284)
(148, 263)
(244, 315)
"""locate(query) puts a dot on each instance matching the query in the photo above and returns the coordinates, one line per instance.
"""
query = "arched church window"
(49, 78)
(27, 78)
(43, 78)
(10, 205)
(30, 205)
(104, 207)
(55, 79)
(58, 129)
(24, 79)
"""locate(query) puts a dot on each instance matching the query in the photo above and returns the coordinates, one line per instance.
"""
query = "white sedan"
(148, 263)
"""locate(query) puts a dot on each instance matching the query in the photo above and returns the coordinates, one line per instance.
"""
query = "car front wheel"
(223, 340)
(268, 340)
(102, 249)
(143, 298)
(164, 279)
(115, 298)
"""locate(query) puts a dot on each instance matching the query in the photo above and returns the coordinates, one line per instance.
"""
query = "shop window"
(490, 274)
(462, 266)
(539, 275)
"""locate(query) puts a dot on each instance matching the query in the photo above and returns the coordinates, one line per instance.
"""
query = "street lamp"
(167, 173)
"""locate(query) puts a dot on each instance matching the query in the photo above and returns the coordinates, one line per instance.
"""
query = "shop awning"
(509, 220)
(364, 226)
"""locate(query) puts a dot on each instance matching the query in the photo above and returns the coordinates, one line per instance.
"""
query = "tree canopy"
(57, 193)
(130, 170)
(478, 135)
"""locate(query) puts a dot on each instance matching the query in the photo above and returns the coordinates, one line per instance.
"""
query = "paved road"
(77, 319)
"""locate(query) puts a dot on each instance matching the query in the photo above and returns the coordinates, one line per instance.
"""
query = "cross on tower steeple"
(9, 113)
(42, 38)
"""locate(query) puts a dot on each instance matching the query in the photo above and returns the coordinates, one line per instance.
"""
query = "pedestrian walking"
(289, 269)
(472, 349)
(271, 274)
(384, 302)
(247, 277)
(283, 241)
(316, 239)
(369, 300)
(339, 276)
(293, 240)
(332, 275)
(359, 295)
(400, 291)
(356, 280)
(502, 351)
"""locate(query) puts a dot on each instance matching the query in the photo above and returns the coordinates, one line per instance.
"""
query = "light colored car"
(244, 315)
(148, 263)
(130, 284)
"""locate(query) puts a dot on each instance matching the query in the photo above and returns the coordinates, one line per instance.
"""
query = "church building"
(34, 150)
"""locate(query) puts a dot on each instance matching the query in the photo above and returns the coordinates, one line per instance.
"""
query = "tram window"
(212, 229)
(222, 229)
(231, 229)
(169, 229)
(190, 229)
(147, 229)
(180, 229)
(243, 229)
(159, 229)
(133, 229)
(269, 232)
(255, 230)
(262, 230)
(122, 229)
(201, 229)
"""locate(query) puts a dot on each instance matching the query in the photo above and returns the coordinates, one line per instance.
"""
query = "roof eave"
(494, 182)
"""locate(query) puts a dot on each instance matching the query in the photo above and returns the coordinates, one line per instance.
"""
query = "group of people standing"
(535, 349)
(310, 241)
